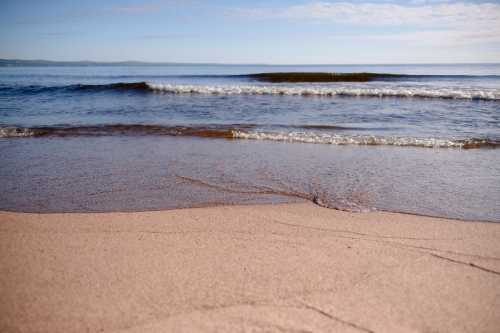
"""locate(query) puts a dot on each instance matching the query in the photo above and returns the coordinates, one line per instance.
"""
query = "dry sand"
(281, 268)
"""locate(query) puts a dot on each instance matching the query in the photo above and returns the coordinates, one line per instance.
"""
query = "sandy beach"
(269, 268)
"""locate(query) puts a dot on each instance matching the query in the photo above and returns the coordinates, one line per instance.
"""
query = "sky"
(270, 32)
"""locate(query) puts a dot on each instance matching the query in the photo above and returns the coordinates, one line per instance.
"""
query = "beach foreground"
(272, 268)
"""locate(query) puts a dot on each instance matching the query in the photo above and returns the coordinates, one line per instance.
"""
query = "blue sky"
(272, 31)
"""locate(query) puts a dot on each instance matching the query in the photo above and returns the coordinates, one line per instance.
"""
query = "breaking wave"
(487, 94)
(367, 140)
(248, 131)
(330, 91)
(220, 131)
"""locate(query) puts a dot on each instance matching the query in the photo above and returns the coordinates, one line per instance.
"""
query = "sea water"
(110, 138)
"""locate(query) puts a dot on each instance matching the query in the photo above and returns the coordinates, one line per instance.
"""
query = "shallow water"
(73, 140)
(141, 173)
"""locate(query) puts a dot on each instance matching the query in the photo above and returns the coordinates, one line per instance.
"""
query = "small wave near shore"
(317, 134)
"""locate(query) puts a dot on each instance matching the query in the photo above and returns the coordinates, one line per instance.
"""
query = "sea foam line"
(16, 132)
(408, 92)
(238, 132)
(362, 140)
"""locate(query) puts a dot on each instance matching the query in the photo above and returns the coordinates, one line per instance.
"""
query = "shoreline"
(274, 267)
(298, 201)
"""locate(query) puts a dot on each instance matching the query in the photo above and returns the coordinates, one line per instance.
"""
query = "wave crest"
(220, 131)
(486, 94)
(406, 92)
(246, 131)
(366, 140)
(16, 132)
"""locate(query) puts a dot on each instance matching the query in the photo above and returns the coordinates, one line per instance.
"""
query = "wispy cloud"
(168, 36)
(89, 12)
(139, 8)
(432, 38)
(421, 2)
(151, 6)
(426, 22)
(442, 37)
(60, 34)
(384, 14)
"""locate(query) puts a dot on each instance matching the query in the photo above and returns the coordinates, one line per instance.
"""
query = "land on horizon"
(83, 63)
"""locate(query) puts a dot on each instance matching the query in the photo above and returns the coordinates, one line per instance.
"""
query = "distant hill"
(85, 63)
(47, 63)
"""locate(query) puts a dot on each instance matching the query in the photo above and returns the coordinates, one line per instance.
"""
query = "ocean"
(132, 138)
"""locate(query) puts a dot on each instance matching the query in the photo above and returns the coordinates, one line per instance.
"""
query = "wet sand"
(269, 268)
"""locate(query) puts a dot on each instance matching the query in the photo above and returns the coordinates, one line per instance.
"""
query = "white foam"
(292, 136)
(15, 132)
(417, 91)
(336, 139)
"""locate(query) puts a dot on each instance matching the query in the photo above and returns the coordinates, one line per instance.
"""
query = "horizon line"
(141, 62)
